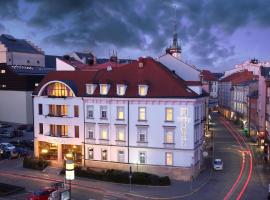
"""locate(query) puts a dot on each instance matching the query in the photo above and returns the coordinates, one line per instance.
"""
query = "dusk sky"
(214, 34)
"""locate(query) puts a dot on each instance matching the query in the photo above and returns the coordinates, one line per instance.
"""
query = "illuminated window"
(58, 110)
(121, 156)
(59, 90)
(104, 89)
(169, 136)
(36, 84)
(142, 157)
(142, 134)
(120, 133)
(58, 130)
(120, 113)
(90, 111)
(3, 71)
(121, 89)
(104, 154)
(90, 88)
(169, 158)
(90, 153)
(169, 114)
(104, 135)
(103, 112)
(142, 90)
(4, 86)
(142, 114)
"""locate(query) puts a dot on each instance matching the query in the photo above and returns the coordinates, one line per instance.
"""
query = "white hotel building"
(141, 115)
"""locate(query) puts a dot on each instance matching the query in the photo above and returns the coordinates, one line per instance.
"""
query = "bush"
(33, 163)
(118, 176)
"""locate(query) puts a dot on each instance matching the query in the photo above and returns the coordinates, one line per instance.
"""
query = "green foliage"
(33, 163)
(118, 176)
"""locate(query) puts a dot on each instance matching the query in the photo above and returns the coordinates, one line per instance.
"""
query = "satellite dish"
(205, 154)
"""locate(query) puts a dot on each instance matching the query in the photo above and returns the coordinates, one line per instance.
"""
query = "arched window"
(57, 89)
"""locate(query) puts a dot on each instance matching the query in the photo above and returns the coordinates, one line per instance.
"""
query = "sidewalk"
(178, 189)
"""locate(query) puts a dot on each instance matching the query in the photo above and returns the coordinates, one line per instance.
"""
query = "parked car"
(41, 194)
(7, 146)
(218, 164)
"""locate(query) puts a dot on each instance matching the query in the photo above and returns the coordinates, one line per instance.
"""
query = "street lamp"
(70, 174)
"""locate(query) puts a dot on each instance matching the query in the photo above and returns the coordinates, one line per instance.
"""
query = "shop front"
(58, 153)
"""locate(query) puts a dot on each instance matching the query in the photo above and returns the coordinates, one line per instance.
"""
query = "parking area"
(16, 140)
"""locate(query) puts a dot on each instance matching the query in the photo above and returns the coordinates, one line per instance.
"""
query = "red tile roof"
(208, 76)
(240, 77)
(162, 82)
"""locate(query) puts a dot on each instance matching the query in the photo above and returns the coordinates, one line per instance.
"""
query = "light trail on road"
(245, 149)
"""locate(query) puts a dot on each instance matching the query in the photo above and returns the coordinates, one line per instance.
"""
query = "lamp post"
(70, 174)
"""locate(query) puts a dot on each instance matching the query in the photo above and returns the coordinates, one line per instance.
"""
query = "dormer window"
(104, 89)
(142, 90)
(121, 89)
(90, 88)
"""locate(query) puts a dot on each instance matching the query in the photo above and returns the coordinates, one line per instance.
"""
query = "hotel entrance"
(58, 153)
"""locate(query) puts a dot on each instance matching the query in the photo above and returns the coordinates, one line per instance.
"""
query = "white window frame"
(166, 114)
(121, 89)
(142, 131)
(107, 87)
(89, 108)
(101, 128)
(120, 109)
(142, 90)
(104, 150)
(144, 155)
(105, 109)
(91, 127)
(90, 88)
(121, 158)
(92, 157)
(166, 131)
(139, 114)
(166, 158)
(118, 129)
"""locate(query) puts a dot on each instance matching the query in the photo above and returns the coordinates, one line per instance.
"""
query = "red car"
(41, 194)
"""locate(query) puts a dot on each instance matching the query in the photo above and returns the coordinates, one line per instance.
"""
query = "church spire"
(175, 49)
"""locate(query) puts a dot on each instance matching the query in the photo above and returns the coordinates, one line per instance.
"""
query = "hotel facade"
(115, 118)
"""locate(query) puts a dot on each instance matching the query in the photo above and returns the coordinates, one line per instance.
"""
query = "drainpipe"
(83, 132)
(128, 131)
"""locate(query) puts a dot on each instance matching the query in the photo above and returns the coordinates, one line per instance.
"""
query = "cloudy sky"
(214, 34)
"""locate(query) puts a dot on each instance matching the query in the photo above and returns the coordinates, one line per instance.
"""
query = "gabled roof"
(19, 45)
(162, 82)
(240, 77)
(208, 76)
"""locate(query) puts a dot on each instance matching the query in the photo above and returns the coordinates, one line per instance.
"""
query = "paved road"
(228, 149)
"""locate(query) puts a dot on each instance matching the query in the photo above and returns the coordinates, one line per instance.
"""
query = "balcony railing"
(60, 135)
(56, 115)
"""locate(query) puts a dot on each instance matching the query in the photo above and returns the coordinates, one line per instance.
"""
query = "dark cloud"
(146, 25)
(9, 9)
